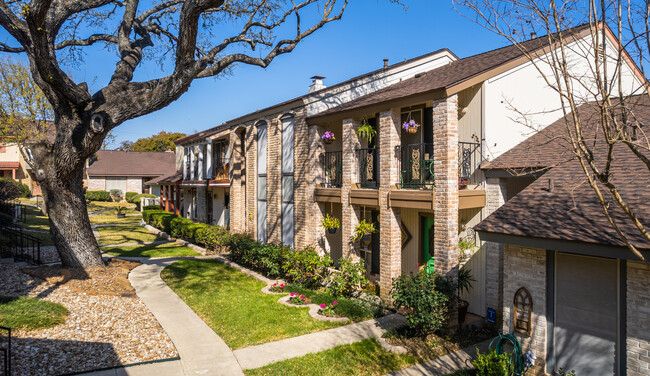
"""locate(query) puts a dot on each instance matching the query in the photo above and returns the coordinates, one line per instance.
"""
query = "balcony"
(417, 165)
(333, 167)
(368, 167)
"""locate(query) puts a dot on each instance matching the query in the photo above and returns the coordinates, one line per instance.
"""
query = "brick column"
(495, 197)
(445, 150)
(316, 173)
(350, 215)
(390, 236)
(237, 194)
(251, 181)
(201, 204)
(303, 185)
(273, 182)
(166, 197)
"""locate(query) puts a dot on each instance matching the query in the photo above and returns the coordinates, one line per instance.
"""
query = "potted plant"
(464, 283)
(121, 211)
(411, 126)
(366, 131)
(328, 137)
(362, 232)
(331, 224)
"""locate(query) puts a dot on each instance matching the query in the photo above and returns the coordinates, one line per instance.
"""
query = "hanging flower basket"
(411, 126)
(328, 137)
(332, 230)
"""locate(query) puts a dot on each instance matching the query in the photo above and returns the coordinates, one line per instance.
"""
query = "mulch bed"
(111, 280)
(107, 324)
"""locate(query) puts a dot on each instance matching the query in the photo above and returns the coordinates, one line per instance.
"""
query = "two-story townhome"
(421, 189)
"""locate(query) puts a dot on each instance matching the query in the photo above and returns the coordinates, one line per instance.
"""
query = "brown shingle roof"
(171, 178)
(449, 75)
(571, 211)
(132, 163)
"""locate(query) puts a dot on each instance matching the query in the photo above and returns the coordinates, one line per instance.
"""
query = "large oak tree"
(200, 38)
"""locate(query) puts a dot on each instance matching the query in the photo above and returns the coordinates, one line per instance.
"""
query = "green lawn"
(124, 234)
(30, 313)
(352, 309)
(106, 219)
(152, 250)
(232, 304)
(365, 358)
(36, 220)
(101, 205)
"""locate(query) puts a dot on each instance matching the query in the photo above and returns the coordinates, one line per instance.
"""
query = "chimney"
(316, 84)
(533, 35)
(385, 63)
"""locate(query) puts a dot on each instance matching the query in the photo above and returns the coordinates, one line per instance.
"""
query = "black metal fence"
(333, 166)
(5, 350)
(14, 242)
(368, 167)
(417, 166)
(15, 209)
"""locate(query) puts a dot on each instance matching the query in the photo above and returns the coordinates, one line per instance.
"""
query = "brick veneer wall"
(526, 268)
(638, 319)
(315, 172)
(237, 194)
(96, 183)
(445, 149)
(495, 197)
(390, 266)
(304, 223)
(350, 214)
(201, 204)
(134, 185)
(251, 180)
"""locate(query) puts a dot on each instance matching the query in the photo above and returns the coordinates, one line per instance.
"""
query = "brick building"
(276, 178)
(588, 298)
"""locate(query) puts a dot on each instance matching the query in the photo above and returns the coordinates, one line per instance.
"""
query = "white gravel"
(100, 331)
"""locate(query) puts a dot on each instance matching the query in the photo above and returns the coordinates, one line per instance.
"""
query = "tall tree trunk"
(69, 224)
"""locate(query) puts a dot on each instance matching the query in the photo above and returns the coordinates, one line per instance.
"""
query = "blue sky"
(370, 31)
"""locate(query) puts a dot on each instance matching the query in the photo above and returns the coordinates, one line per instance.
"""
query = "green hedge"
(305, 267)
(129, 196)
(98, 196)
(151, 207)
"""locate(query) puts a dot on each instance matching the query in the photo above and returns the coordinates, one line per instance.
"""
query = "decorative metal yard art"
(522, 312)
(5, 350)
(519, 362)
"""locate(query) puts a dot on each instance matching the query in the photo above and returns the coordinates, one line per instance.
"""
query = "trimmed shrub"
(306, 267)
(152, 207)
(98, 196)
(491, 364)
(350, 278)
(177, 225)
(188, 231)
(426, 306)
(11, 189)
(136, 199)
(129, 196)
(116, 195)
(215, 238)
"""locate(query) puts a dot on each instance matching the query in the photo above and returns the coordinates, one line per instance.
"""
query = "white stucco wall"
(11, 154)
(520, 101)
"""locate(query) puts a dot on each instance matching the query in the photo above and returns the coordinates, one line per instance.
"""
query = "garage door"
(586, 314)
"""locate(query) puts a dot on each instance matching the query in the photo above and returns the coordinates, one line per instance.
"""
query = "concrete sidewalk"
(450, 363)
(267, 353)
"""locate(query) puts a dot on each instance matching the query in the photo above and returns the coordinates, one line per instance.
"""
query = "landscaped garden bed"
(232, 304)
(105, 325)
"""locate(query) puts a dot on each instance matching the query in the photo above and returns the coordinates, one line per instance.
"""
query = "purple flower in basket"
(410, 124)
(328, 135)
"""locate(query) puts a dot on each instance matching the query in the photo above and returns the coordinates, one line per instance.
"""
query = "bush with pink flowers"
(328, 309)
(297, 299)
(277, 287)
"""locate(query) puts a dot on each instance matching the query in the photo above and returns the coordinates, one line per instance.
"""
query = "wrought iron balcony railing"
(368, 167)
(333, 166)
(418, 160)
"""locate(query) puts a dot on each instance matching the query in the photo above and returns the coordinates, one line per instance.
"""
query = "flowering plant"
(328, 310)
(297, 299)
(277, 287)
(328, 136)
(410, 125)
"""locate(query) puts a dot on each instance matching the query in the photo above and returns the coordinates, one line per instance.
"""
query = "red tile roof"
(11, 165)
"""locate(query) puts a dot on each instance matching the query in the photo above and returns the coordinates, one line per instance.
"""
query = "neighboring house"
(589, 295)
(277, 178)
(13, 164)
(128, 171)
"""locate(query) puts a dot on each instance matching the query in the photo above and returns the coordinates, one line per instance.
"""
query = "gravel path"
(100, 331)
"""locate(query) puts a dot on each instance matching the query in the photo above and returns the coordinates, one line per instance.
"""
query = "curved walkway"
(202, 351)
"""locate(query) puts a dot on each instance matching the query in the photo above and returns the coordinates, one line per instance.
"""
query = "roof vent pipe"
(385, 63)
(533, 35)
(317, 84)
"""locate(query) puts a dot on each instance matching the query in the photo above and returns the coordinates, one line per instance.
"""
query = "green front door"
(427, 239)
